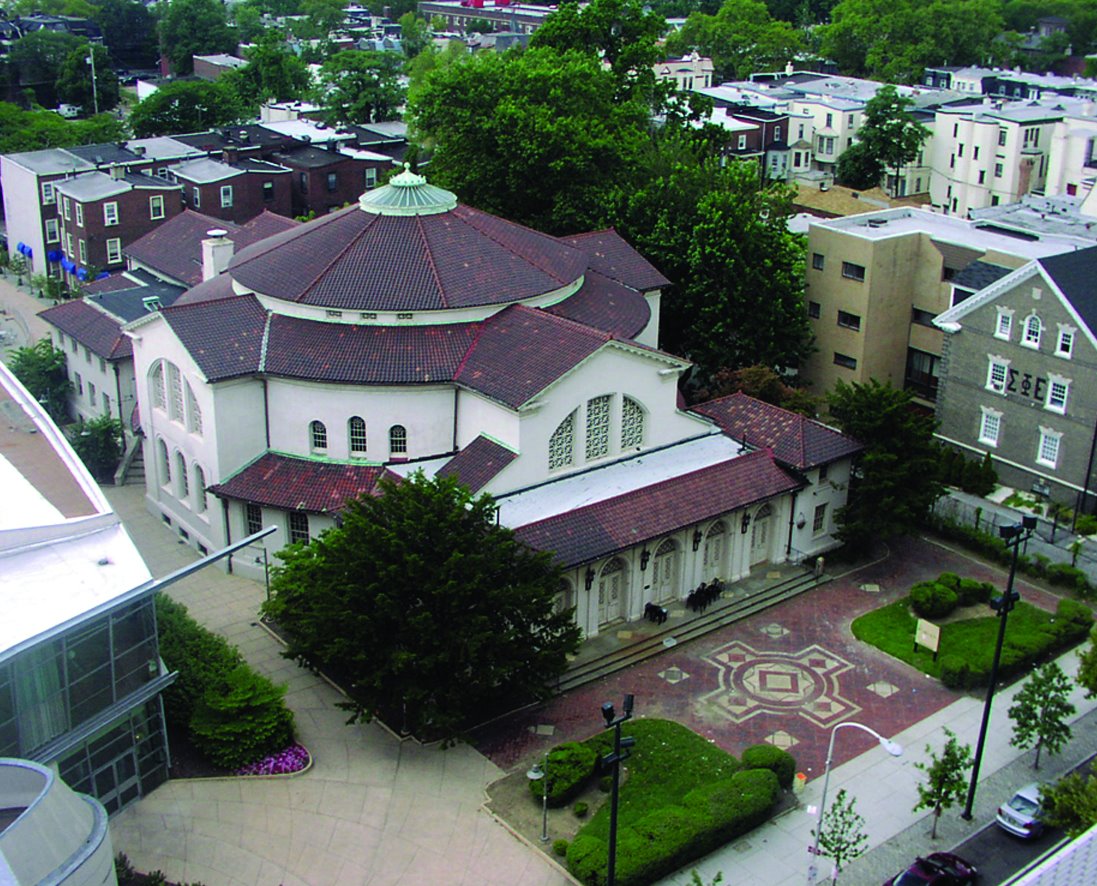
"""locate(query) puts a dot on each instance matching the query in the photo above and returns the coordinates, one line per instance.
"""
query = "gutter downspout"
(266, 414)
(791, 519)
(228, 531)
(455, 395)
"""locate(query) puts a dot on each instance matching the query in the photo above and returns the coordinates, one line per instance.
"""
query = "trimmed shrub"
(950, 580)
(560, 847)
(1077, 615)
(570, 767)
(1066, 576)
(242, 719)
(955, 673)
(932, 599)
(605, 784)
(1086, 524)
(971, 591)
(580, 809)
(766, 756)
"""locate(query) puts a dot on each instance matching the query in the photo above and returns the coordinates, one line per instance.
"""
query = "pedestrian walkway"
(19, 321)
(372, 810)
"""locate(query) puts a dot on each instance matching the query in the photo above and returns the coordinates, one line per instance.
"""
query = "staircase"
(131, 470)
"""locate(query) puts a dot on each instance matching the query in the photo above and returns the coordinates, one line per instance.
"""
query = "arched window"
(632, 424)
(181, 477)
(598, 426)
(165, 464)
(356, 431)
(194, 412)
(156, 386)
(318, 436)
(1033, 328)
(562, 444)
(175, 393)
(199, 489)
(398, 440)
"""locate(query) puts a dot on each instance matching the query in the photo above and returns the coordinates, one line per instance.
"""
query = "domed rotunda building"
(411, 332)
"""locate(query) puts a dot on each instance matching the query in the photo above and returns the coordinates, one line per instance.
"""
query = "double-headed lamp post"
(620, 752)
(1014, 536)
(539, 772)
(893, 748)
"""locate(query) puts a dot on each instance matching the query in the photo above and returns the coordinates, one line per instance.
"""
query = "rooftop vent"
(877, 222)
(151, 303)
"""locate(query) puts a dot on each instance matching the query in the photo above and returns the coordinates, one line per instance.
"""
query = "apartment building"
(235, 192)
(688, 73)
(876, 281)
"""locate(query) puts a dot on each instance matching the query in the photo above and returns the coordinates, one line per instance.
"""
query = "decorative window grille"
(598, 426)
(632, 424)
(562, 444)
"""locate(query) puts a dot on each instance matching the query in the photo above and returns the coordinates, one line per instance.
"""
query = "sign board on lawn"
(927, 634)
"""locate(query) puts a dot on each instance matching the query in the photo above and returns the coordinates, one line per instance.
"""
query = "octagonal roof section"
(408, 246)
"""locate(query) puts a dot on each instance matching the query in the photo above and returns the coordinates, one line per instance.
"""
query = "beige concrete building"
(875, 282)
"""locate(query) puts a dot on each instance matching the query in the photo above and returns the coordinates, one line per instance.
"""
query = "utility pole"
(94, 89)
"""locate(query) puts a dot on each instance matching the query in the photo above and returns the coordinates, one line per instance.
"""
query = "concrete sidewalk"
(372, 810)
(885, 789)
(19, 322)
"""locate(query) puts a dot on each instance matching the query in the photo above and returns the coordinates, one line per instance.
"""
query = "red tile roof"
(520, 351)
(100, 332)
(224, 337)
(607, 305)
(298, 484)
(795, 440)
(612, 256)
(361, 261)
(346, 353)
(478, 463)
(174, 250)
(208, 290)
(644, 515)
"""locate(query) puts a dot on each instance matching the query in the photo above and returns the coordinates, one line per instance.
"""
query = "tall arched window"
(562, 444)
(598, 426)
(194, 412)
(356, 431)
(632, 424)
(318, 436)
(199, 489)
(181, 477)
(165, 464)
(1033, 328)
(156, 386)
(398, 440)
(175, 393)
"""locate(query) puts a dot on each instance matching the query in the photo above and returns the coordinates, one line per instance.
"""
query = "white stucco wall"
(477, 414)
(22, 212)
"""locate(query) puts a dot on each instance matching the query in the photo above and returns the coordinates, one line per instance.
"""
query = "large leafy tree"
(539, 137)
(193, 27)
(74, 84)
(1070, 804)
(895, 485)
(945, 780)
(360, 87)
(741, 38)
(41, 369)
(185, 106)
(428, 612)
(36, 60)
(894, 40)
(32, 130)
(889, 135)
(722, 239)
(129, 32)
(1040, 711)
(272, 72)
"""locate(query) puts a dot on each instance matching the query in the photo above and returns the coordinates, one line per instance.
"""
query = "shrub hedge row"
(233, 715)
(673, 836)
(569, 767)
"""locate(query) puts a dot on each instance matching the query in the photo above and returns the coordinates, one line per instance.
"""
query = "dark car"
(937, 869)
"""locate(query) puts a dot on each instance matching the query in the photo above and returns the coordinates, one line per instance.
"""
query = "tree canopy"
(32, 130)
(945, 780)
(889, 136)
(741, 38)
(41, 369)
(425, 610)
(1040, 711)
(36, 60)
(894, 40)
(129, 32)
(538, 137)
(74, 84)
(185, 106)
(360, 87)
(193, 27)
(895, 485)
(272, 72)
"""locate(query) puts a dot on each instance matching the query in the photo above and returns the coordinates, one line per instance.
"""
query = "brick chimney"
(216, 253)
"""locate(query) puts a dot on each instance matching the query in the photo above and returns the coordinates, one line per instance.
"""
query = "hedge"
(674, 836)
(778, 761)
(931, 599)
(569, 767)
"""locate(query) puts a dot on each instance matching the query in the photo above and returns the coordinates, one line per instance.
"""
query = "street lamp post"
(94, 89)
(620, 752)
(893, 748)
(539, 772)
(1014, 536)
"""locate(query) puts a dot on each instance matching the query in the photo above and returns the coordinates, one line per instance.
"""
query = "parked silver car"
(1021, 815)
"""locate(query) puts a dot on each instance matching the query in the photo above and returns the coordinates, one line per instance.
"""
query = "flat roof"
(63, 551)
(205, 170)
(50, 161)
(948, 228)
(92, 186)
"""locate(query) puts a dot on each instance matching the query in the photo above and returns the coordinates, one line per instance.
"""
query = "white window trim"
(154, 201)
(55, 230)
(82, 251)
(114, 250)
(1065, 330)
(110, 214)
(1052, 380)
(1050, 434)
(1004, 314)
(226, 196)
(80, 215)
(992, 360)
(1025, 343)
(987, 414)
(49, 195)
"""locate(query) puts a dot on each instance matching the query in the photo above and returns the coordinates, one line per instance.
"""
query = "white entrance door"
(759, 536)
(713, 562)
(663, 578)
(611, 593)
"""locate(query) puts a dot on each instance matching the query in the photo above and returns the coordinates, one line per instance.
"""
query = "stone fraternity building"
(412, 333)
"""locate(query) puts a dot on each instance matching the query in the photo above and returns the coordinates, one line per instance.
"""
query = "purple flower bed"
(292, 759)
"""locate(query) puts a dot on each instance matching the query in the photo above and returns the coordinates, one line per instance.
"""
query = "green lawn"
(667, 763)
(891, 629)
